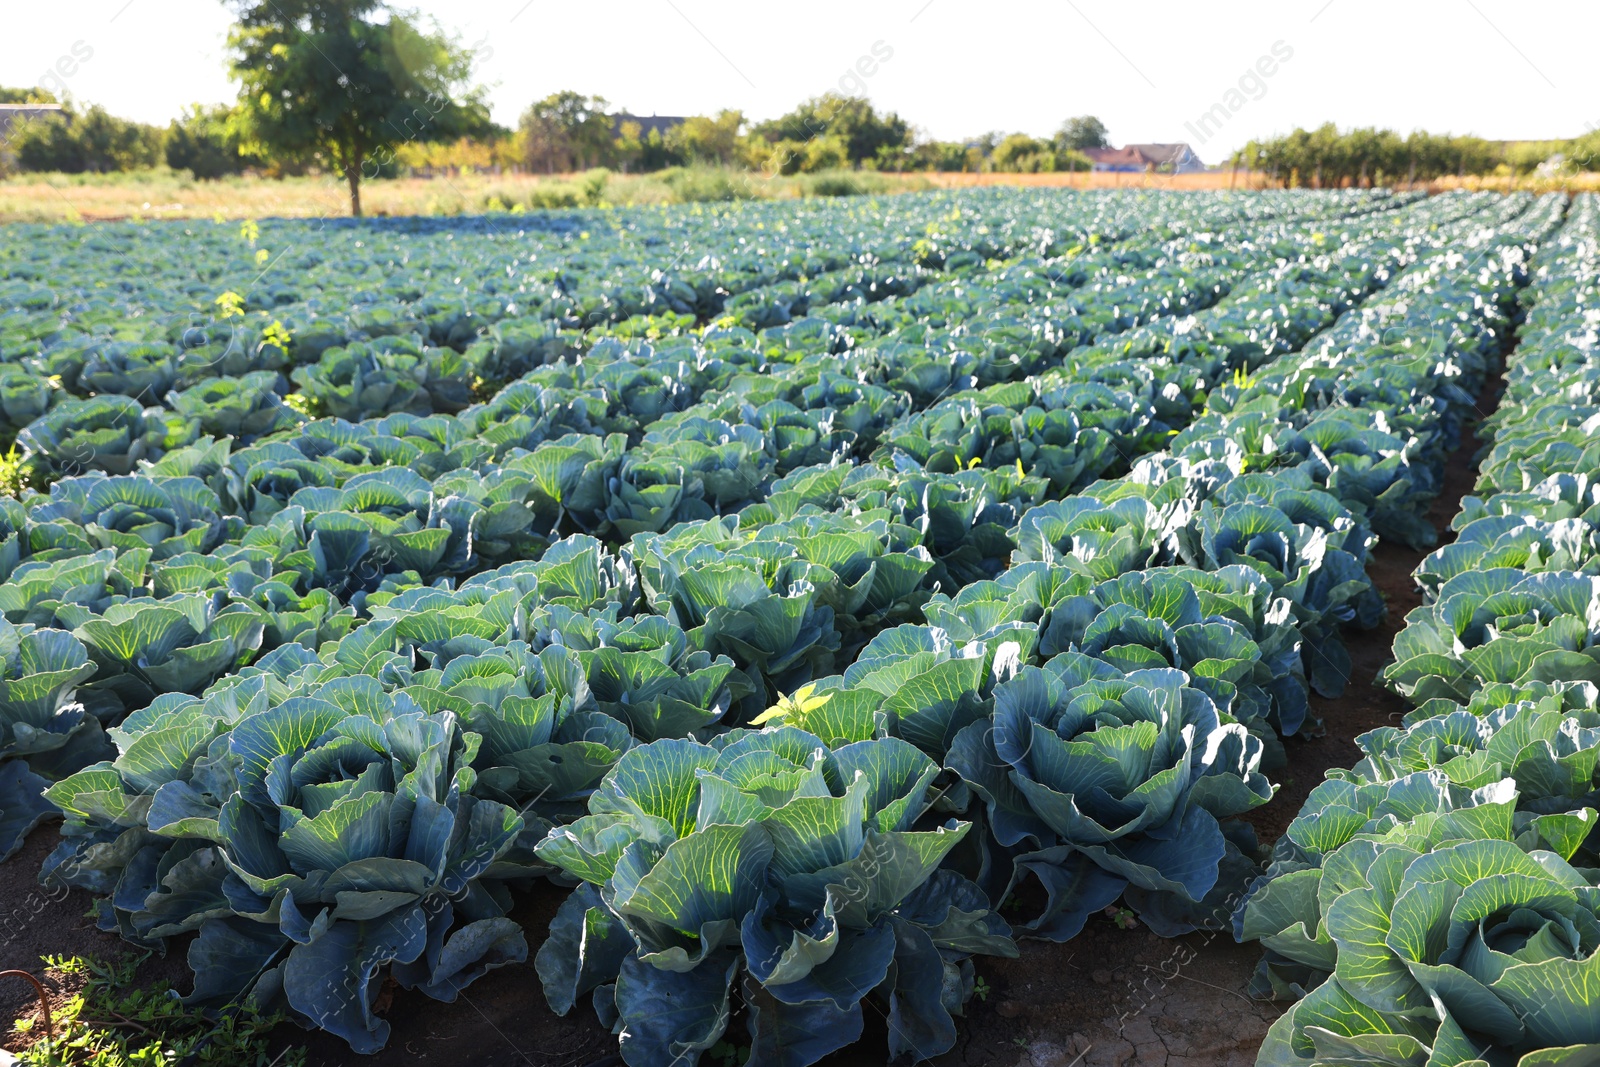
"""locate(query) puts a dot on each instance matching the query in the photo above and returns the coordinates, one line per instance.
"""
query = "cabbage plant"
(1067, 449)
(241, 409)
(770, 872)
(318, 845)
(24, 397)
(965, 518)
(1304, 565)
(1521, 540)
(368, 378)
(107, 433)
(527, 413)
(166, 516)
(1428, 922)
(44, 733)
(694, 472)
(16, 539)
(757, 601)
(1232, 635)
(143, 647)
(258, 481)
(62, 593)
(1500, 625)
(142, 371)
(1105, 784)
(381, 522)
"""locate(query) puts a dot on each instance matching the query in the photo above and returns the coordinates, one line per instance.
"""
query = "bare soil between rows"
(1109, 998)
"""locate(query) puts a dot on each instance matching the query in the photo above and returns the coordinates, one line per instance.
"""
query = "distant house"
(1165, 158)
(647, 123)
(14, 118)
(1170, 158)
(1124, 160)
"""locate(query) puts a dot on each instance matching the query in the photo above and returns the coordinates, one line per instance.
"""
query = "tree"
(629, 147)
(1021, 154)
(203, 142)
(29, 95)
(347, 81)
(704, 139)
(1082, 132)
(1326, 157)
(94, 141)
(465, 153)
(567, 131)
(945, 156)
(851, 119)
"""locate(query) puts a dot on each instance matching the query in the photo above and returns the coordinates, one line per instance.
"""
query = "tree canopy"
(1084, 131)
(29, 95)
(851, 120)
(566, 131)
(1327, 156)
(204, 141)
(1021, 154)
(347, 82)
(94, 140)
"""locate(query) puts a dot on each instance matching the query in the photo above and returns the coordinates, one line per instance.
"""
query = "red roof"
(1114, 157)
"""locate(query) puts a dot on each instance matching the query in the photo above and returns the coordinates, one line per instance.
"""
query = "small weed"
(108, 1023)
(229, 304)
(727, 1054)
(484, 389)
(277, 334)
(18, 473)
(304, 405)
(980, 988)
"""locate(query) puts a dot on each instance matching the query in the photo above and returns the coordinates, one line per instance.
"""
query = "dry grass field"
(164, 194)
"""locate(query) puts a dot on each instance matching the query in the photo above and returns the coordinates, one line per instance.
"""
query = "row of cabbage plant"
(304, 552)
(123, 843)
(1438, 903)
(507, 707)
(322, 534)
(598, 386)
(1017, 684)
(281, 816)
(417, 335)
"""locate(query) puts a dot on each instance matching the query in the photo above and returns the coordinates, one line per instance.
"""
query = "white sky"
(1498, 68)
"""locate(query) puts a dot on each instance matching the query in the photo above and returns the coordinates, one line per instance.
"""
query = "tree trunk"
(352, 174)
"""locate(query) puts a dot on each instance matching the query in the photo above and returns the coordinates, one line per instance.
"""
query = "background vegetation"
(1327, 157)
(398, 100)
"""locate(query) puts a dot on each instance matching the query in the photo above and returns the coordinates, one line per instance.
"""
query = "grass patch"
(165, 194)
(106, 1021)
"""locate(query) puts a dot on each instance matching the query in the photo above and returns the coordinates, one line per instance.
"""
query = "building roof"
(647, 123)
(1128, 156)
(1140, 156)
(8, 111)
(1164, 153)
(11, 114)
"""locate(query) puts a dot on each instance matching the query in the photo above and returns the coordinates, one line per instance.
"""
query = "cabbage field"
(819, 603)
